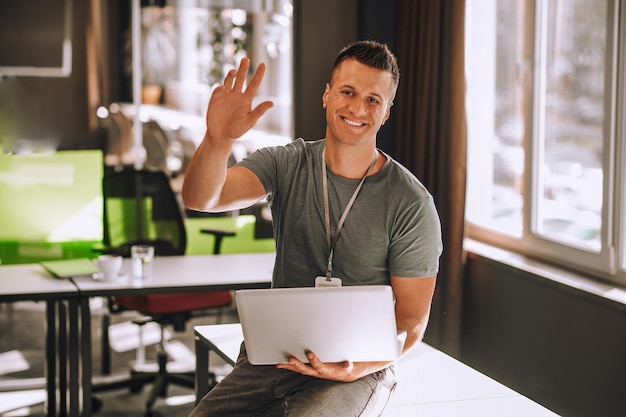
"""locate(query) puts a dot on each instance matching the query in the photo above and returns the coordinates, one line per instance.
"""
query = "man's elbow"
(192, 201)
(194, 207)
(191, 205)
(195, 204)
(188, 198)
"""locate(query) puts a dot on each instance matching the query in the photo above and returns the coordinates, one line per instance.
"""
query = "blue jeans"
(264, 390)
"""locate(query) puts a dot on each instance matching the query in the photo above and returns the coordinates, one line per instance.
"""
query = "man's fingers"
(235, 79)
(254, 83)
(242, 72)
(260, 110)
(230, 77)
(314, 360)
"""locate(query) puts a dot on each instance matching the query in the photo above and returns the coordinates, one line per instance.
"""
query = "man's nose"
(358, 108)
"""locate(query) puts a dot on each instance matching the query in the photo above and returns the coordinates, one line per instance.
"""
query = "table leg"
(85, 345)
(202, 369)
(105, 348)
(51, 358)
(74, 355)
(62, 357)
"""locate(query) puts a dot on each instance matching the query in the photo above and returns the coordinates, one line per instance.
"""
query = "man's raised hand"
(230, 113)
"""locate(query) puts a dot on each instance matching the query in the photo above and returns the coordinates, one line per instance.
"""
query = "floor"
(22, 330)
(431, 384)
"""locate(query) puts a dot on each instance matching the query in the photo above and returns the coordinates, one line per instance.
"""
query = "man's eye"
(348, 93)
(373, 101)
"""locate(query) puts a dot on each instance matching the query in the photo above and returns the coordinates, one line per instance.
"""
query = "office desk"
(171, 274)
(30, 282)
(188, 273)
(430, 383)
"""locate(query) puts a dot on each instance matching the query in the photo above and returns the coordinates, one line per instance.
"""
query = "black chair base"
(159, 380)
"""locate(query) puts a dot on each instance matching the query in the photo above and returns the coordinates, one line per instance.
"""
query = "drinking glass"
(142, 258)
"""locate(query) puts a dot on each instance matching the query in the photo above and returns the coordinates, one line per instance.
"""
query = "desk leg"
(62, 357)
(202, 369)
(105, 346)
(51, 358)
(73, 353)
(85, 346)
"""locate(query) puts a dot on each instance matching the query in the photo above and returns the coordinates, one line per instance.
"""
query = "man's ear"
(387, 114)
(325, 95)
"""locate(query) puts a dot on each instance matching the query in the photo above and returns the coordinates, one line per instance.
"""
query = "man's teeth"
(353, 123)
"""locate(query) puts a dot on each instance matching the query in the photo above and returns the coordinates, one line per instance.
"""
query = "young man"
(340, 207)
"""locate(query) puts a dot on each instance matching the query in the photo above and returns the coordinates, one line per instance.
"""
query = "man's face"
(357, 102)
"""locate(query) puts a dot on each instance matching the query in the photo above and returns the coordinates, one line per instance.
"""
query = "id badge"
(321, 282)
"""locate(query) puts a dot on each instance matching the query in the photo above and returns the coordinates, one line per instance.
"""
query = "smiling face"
(357, 100)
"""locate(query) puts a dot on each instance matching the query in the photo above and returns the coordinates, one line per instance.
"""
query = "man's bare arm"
(208, 184)
(413, 301)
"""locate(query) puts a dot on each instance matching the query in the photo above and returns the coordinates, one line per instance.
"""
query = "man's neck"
(352, 162)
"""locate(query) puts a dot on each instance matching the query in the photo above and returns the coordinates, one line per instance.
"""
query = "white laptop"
(355, 323)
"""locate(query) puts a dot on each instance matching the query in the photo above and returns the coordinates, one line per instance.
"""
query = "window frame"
(607, 264)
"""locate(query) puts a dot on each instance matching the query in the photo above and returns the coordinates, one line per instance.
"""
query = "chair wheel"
(152, 413)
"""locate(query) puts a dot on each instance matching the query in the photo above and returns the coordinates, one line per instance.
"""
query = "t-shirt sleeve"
(416, 245)
(273, 164)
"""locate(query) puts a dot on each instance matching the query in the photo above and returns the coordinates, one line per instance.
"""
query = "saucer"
(99, 276)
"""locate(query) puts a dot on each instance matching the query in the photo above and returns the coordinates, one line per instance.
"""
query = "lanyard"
(331, 243)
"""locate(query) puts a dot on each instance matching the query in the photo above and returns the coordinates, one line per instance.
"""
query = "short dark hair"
(373, 54)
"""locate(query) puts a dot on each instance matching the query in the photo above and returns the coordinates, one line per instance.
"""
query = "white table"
(68, 317)
(30, 282)
(433, 384)
(430, 383)
(170, 274)
(188, 273)
(222, 339)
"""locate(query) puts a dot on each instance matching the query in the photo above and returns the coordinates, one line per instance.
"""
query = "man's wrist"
(215, 144)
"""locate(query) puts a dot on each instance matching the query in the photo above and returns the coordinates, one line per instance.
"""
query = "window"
(214, 36)
(545, 104)
(189, 46)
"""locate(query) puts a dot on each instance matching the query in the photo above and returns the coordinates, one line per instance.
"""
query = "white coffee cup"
(110, 265)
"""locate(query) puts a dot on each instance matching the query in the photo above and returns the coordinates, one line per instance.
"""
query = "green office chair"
(141, 208)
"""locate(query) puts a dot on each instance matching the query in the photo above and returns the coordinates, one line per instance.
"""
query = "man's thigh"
(367, 396)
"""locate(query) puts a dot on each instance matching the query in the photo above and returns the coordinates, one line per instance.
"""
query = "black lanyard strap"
(331, 242)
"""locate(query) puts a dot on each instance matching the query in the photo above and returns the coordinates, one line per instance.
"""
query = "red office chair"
(141, 208)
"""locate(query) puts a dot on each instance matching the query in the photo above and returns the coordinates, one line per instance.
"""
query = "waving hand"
(230, 113)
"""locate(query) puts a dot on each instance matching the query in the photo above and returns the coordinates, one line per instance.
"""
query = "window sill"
(569, 281)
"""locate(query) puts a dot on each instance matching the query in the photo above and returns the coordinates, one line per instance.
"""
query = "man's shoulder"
(300, 145)
(308, 144)
(401, 175)
(297, 151)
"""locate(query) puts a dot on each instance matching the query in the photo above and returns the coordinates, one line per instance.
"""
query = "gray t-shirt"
(392, 229)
